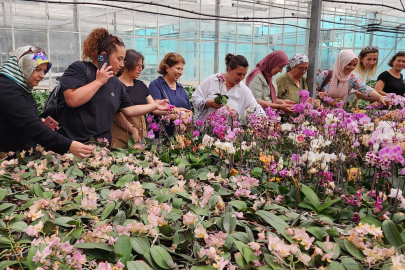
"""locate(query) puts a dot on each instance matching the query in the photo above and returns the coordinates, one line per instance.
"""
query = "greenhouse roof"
(259, 11)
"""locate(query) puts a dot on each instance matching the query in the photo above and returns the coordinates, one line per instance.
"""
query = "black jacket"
(20, 127)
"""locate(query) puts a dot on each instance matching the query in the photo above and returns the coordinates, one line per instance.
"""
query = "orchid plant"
(323, 190)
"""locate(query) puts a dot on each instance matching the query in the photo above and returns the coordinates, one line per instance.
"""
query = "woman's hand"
(211, 103)
(385, 102)
(183, 128)
(104, 74)
(162, 105)
(287, 108)
(290, 102)
(318, 104)
(81, 150)
(185, 116)
(178, 110)
(285, 101)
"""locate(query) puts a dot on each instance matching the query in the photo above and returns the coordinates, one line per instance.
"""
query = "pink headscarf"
(265, 66)
(341, 91)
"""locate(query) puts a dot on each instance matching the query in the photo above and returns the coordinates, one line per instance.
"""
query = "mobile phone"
(103, 58)
(51, 123)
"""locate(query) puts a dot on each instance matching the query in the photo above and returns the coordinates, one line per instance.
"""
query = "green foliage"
(40, 97)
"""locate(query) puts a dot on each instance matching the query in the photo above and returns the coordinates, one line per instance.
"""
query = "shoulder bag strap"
(327, 79)
(162, 91)
(88, 72)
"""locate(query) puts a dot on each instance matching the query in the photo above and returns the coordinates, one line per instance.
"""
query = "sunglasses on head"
(369, 48)
(33, 50)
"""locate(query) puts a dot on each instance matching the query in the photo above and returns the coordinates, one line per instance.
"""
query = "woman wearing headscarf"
(260, 82)
(293, 81)
(20, 126)
(337, 83)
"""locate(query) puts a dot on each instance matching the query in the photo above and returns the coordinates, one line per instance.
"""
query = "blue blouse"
(159, 89)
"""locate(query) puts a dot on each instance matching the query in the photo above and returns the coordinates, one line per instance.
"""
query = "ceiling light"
(249, 7)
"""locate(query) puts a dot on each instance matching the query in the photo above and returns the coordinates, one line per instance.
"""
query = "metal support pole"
(115, 22)
(313, 48)
(372, 33)
(75, 19)
(12, 25)
(200, 46)
(216, 50)
(48, 44)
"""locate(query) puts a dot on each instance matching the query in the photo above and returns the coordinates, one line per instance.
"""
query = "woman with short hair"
(229, 84)
(167, 87)
(20, 126)
(137, 91)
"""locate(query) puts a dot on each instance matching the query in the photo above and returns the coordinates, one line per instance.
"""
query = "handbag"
(56, 100)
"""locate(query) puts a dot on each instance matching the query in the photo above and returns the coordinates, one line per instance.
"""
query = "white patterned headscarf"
(296, 60)
(21, 64)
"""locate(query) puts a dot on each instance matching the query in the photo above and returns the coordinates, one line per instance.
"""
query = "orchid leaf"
(137, 265)
(353, 250)
(161, 257)
(350, 264)
(391, 233)
(107, 211)
(280, 225)
(311, 196)
(140, 245)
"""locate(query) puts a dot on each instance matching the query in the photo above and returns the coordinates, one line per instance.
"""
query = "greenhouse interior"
(159, 27)
(202, 134)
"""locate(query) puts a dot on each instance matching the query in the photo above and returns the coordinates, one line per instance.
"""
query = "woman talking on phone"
(91, 105)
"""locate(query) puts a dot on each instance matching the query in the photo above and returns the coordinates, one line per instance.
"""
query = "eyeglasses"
(369, 48)
(142, 67)
(33, 50)
(302, 68)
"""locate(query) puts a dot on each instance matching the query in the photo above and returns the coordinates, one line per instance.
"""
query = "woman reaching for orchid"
(293, 81)
(260, 82)
(91, 106)
(167, 87)
(138, 93)
(229, 84)
(20, 126)
(367, 68)
(335, 85)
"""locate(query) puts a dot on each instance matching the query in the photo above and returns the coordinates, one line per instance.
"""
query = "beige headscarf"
(341, 91)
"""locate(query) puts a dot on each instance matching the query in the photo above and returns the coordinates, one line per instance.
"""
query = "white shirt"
(240, 97)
